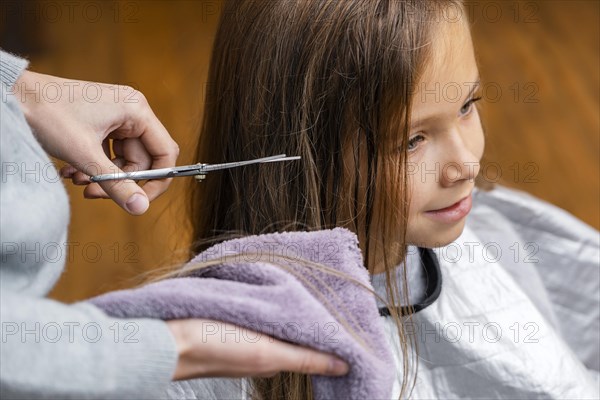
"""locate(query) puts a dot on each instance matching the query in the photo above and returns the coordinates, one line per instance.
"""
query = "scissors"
(199, 170)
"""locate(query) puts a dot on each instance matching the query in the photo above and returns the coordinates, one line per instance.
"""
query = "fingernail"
(137, 204)
(338, 367)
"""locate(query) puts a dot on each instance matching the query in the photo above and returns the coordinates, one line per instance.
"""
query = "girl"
(358, 89)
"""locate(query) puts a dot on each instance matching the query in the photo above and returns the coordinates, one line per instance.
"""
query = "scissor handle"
(159, 173)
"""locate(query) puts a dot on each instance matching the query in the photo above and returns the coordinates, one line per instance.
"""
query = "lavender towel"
(261, 296)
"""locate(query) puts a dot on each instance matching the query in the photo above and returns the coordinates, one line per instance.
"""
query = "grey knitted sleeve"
(49, 349)
(11, 67)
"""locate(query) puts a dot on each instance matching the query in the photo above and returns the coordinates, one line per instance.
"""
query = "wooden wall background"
(542, 127)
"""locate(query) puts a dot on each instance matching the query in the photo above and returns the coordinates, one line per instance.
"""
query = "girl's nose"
(461, 162)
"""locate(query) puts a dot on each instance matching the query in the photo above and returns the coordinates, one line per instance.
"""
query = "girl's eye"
(413, 141)
(468, 107)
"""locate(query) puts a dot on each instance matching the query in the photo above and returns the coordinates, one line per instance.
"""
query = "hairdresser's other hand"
(74, 120)
(217, 349)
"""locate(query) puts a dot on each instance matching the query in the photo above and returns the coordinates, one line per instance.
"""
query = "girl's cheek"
(476, 135)
(478, 138)
(419, 179)
(422, 163)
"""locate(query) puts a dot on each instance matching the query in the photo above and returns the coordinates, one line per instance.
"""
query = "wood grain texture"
(542, 130)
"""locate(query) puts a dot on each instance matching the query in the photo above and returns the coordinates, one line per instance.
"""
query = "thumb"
(126, 193)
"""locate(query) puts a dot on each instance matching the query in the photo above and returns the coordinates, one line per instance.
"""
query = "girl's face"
(446, 140)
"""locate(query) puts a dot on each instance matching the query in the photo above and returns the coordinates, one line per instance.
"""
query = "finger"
(134, 155)
(126, 193)
(137, 158)
(79, 178)
(157, 142)
(256, 354)
(295, 358)
(94, 191)
(67, 171)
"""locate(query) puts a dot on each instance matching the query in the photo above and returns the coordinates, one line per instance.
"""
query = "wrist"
(182, 345)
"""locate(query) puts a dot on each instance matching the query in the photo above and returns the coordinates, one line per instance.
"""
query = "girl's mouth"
(453, 213)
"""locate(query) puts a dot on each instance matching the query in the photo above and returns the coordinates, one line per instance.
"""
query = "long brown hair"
(330, 81)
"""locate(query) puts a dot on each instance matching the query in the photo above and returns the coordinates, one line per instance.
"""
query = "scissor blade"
(215, 167)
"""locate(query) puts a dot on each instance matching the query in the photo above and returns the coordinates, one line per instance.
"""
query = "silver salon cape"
(517, 316)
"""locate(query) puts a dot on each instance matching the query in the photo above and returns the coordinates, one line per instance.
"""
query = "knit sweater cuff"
(11, 67)
(151, 363)
(144, 358)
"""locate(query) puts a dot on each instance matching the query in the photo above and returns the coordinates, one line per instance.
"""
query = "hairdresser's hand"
(217, 349)
(74, 120)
